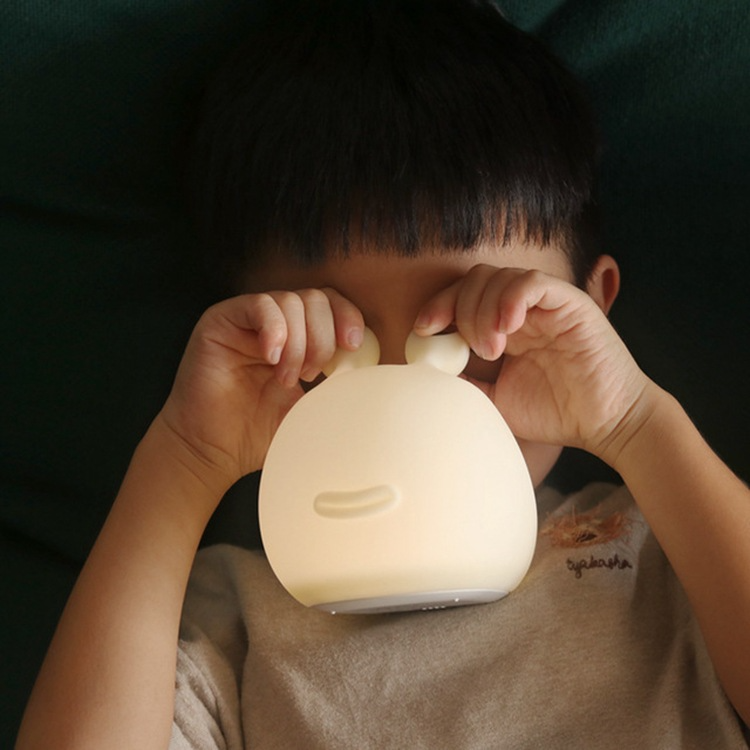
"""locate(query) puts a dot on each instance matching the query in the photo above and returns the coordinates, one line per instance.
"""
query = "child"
(409, 165)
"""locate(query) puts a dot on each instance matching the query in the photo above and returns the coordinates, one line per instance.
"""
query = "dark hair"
(391, 125)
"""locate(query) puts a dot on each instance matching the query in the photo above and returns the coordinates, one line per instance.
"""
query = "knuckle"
(313, 296)
(534, 277)
(264, 307)
(344, 311)
(286, 298)
(263, 301)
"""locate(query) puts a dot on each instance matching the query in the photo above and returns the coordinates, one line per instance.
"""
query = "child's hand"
(566, 376)
(241, 370)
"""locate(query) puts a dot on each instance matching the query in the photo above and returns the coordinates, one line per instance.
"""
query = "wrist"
(169, 478)
(650, 420)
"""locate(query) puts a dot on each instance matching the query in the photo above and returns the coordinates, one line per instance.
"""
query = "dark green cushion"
(102, 280)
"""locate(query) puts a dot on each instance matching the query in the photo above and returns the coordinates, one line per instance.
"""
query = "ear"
(448, 352)
(603, 282)
(367, 355)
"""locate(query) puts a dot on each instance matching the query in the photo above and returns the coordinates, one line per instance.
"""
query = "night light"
(397, 487)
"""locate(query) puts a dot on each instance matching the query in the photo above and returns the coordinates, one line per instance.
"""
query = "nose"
(392, 339)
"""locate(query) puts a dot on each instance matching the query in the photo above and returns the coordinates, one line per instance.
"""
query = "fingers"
(478, 312)
(489, 304)
(331, 321)
(292, 355)
(348, 321)
(252, 326)
(474, 304)
(296, 332)
(318, 321)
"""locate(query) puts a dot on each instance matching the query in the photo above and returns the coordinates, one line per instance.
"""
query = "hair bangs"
(390, 126)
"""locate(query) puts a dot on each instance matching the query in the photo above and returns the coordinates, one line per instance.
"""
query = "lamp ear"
(367, 355)
(448, 352)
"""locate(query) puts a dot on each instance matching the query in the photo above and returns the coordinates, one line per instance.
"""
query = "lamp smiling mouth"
(356, 503)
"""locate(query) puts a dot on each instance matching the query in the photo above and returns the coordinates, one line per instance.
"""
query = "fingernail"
(485, 352)
(422, 321)
(274, 356)
(354, 338)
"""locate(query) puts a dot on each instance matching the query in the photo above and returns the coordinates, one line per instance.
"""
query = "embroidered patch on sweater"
(580, 530)
(586, 529)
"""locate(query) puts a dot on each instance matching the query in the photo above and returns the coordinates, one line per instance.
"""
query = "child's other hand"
(566, 376)
(241, 370)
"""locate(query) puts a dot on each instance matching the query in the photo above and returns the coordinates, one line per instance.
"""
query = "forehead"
(362, 274)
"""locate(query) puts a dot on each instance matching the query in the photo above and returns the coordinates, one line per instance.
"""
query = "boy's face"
(390, 290)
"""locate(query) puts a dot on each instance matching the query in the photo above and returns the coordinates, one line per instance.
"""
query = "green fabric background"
(101, 279)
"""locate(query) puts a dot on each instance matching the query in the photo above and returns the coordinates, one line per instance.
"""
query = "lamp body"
(396, 487)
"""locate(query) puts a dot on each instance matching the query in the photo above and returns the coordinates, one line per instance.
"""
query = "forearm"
(108, 678)
(700, 513)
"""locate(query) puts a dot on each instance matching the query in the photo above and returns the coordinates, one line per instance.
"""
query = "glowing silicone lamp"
(397, 487)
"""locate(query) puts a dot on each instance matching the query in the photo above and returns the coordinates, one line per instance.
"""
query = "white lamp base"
(426, 601)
